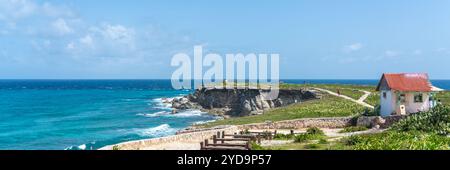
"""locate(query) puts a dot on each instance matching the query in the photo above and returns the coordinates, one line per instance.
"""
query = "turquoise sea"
(89, 114)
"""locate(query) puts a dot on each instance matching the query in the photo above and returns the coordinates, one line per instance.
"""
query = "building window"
(418, 98)
(384, 95)
(402, 98)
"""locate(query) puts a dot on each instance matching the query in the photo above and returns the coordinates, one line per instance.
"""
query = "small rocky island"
(239, 102)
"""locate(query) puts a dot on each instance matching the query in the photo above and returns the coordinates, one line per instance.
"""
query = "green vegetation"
(256, 146)
(353, 91)
(422, 131)
(373, 99)
(437, 120)
(353, 129)
(311, 134)
(280, 136)
(394, 140)
(444, 97)
(115, 147)
(328, 106)
(372, 112)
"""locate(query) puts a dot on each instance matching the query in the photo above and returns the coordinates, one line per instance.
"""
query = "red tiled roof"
(407, 82)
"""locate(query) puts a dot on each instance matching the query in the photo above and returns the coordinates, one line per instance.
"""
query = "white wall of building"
(387, 104)
(413, 107)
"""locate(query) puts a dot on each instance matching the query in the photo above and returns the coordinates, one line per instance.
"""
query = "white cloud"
(391, 53)
(353, 47)
(87, 40)
(15, 9)
(417, 52)
(61, 27)
(70, 46)
(117, 33)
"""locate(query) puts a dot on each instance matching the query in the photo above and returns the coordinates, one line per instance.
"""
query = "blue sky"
(348, 39)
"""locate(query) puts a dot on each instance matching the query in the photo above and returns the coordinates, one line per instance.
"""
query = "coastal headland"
(340, 111)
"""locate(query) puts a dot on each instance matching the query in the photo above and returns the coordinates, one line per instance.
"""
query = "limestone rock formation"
(239, 102)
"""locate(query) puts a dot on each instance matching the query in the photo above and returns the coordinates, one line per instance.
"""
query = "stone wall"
(184, 137)
(382, 122)
(333, 122)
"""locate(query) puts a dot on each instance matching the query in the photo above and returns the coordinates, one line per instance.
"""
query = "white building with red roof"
(405, 93)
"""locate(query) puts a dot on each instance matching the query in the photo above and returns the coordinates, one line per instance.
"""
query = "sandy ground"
(175, 146)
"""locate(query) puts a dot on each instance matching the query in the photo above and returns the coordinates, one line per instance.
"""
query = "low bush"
(312, 146)
(353, 129)
(256, 146)
(284, 136)
(313, 133)
(394, 140)
(437, 120)
(372, 112)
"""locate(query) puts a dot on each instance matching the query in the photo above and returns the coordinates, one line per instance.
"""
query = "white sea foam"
(184, 114)
(158, 131)
(82, 147)
(157, 114)
(203, 122)
(189, 113)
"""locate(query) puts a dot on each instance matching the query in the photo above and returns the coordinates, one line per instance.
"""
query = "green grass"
(394, 140)
(444, 97)
(322, 144)
(284, 136)
(328, 106)
(353, 129)
(352, 91)
(373, 99)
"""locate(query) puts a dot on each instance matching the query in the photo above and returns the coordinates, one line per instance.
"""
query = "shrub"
(314, 131)
(115, 147)
(437, 120)
(372, 112)
(305, 137)
(312, 146)
(352, 140)
(323, 141)
(394, 140)
(256, 146)
(353, 129)
(284, 136)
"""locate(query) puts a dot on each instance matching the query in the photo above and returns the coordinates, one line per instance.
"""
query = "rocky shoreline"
(238, 102)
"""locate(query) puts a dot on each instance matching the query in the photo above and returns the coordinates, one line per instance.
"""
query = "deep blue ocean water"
(89, 114)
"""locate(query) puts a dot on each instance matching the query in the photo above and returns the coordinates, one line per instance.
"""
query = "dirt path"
(359, 101)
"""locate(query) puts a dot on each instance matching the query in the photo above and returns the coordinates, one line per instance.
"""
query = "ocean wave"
(89, 146)
(157, 114)
(158, 131)
(189, 113)
(163, 103)
(203, 122)
(184, 114)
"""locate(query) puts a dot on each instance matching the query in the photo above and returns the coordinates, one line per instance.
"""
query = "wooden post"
(223, 136)
(201, 145)
(292, 132)
(259, 140)
(214, 139)
(275, 132)
(218, 135)
(247, 146)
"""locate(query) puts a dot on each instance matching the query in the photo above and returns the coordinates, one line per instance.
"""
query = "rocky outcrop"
(239, 102)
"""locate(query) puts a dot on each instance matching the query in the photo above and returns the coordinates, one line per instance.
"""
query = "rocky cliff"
(239, 102)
